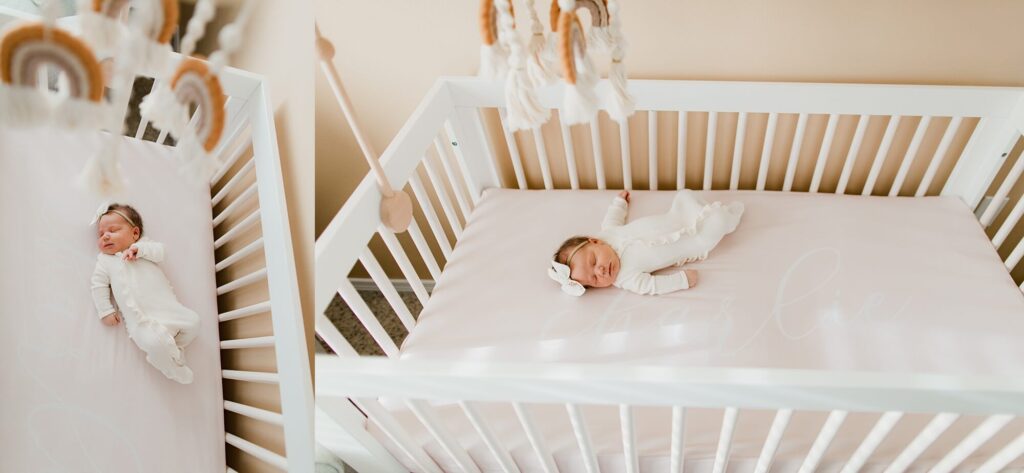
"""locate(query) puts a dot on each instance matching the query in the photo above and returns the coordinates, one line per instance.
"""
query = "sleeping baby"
(624, 255)
(127, 269)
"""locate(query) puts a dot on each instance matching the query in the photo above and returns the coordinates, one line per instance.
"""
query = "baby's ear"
(136, 233)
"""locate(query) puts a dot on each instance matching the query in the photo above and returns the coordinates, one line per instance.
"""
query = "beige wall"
(389, 52)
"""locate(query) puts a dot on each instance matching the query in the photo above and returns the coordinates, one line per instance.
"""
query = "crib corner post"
(984, 155)
(473, 150)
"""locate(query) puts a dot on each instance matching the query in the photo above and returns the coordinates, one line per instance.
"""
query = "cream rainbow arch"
(571, 43)
(194, 83)
(162, 26)
(599, 16)
(25, 49)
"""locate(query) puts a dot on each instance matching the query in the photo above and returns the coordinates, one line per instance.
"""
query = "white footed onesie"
(686, 233)
(156, 321)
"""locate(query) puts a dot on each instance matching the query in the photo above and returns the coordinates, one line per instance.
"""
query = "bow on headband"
(100, 212)
(560, 273)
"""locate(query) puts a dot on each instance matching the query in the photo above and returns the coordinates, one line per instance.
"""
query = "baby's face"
(595, 265)
(116, 234)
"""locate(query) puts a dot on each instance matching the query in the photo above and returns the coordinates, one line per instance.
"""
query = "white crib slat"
(595, 142)
(513, 149)
(725, 440)
(333, 337)
(421, 246)
(629, 439)
(821, 443)
(709, 150)
(236, 204)
(143, 122)
(570, 156)
(257, 451)
(246, 223)
(263, 415)
(681, 152)
(258, 308)
(851, 155)
(1002, 192)
(969, 444)
(442, 196)
(940, 152)
(908, 158)
(766, 150)
(924, 439)
(627, 161)
(499, 451)
(442, 155)
(470, 117)
(238, 255)
(367, 318)
(251, 376)
(1008, 224)
(652, 149)
(547, 462)
(826, 146)
(404, 264)
(579, 428)
(678, 438)
(1015, 256)
(794, 152)
(737, 151)
(380, 415)
(872, 441)
(451, 446)
(233, 182)
(242, 343)
(251, 278)
(883, 152)
(542, 157)
(1000, 460)
(771, 443)
(387, 288)
(428, 211)
(241, 148)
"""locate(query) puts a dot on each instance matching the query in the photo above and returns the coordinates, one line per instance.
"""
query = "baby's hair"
(563, 251)
(130, 212)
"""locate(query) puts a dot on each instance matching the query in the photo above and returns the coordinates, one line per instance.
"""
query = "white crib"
(459, 117)
(251, 177)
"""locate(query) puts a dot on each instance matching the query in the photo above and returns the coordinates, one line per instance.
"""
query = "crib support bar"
(794, 152)
(826, 147)
(404, 264)
(828, 432)
(333, 337)
(428, 210)
(624, 149)
(254, 413)
(737, 151)
(513, 149)
(570, 156)
(629, 438)
(851, 155)
(969, 444)
(871, 442)
(725, 440)
(940, 153)
(678, 439)
(495, 446)
(681, 152)
(766, 150)
(1000, 460)
(542, 157)
(379, 415)
(652, 150)
(442, 196)
(924, 439)
(246, 223)
(368, 318)
(257, 451)
(709, 150)
(595, 143)
(387, 288)
(451, 446)
(259, 308)
(771, 443)
(882, 154)
(547, 462)
(446, 166)
(579, 428)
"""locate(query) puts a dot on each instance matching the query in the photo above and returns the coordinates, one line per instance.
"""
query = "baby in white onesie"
(127, 269)
(624, 255)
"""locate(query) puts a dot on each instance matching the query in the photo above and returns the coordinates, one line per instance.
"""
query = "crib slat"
(333, 337)
(251, 278)
(1000, 460)
(251, 376)
(1004, 189)
(258, 308)
(421, 246)
(233, 182)
(241, 146)
(451, 446)
(851, 155)
(257, 451)
(725, 440)
(970, 443)
(826, 146)
(766, 150)
(238, 255)
(404, 264)
(428, 211)
(542, 157)
(457, 189)
(547, 462)
(908, 158)
(709, 150)
(678, 437)
(254, 413)
(940, 152)
(499, 451)
(254, 342)
(579, 428)
(771, 443)
(233, 207)
(629, 439)
(513, 149)
(652, 149)
(821, 443)
(794, 152)
(367, 318)
(570, 156)
(681, 152)
(737, 151)
(932, 431)
(1015, 256)
(386, 288)
(624, 149)
(143, 122)
(479, 143)
(442, 196)
(882, 154)
(1009, 224)
(595, 143)
(871, 442)
(380, 415)
(246, 223)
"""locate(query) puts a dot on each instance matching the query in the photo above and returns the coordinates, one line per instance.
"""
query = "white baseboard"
(401, 285)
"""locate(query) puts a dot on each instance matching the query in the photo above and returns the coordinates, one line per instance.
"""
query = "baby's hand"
(131, 254)
(624, 195)
(691, 277)
(112, 319)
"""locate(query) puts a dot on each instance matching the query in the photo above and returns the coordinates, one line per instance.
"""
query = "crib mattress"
(78, 395)
(807, 281)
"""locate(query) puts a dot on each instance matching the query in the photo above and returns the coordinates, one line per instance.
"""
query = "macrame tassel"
(78, 114)
(580, 105)
(162, 108)
(540, 60)
(493, 61)
(524, 110)
(102, 174)
(621, 106)
(102, 32)
(149, 57)
(23, 107)
(195, 163)
(599, 39)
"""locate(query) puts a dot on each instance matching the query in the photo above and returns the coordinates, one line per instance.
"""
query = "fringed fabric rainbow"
(146, 42)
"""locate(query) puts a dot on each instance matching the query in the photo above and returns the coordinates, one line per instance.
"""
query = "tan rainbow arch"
(162, 29)
(193, 83)
(489, 21)
(571, 38)
(24, 51)
(598, 13)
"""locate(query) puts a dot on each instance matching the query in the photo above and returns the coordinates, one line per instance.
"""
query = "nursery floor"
(346, 321)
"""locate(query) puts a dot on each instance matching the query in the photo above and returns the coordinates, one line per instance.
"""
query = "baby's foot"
(736, 208)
